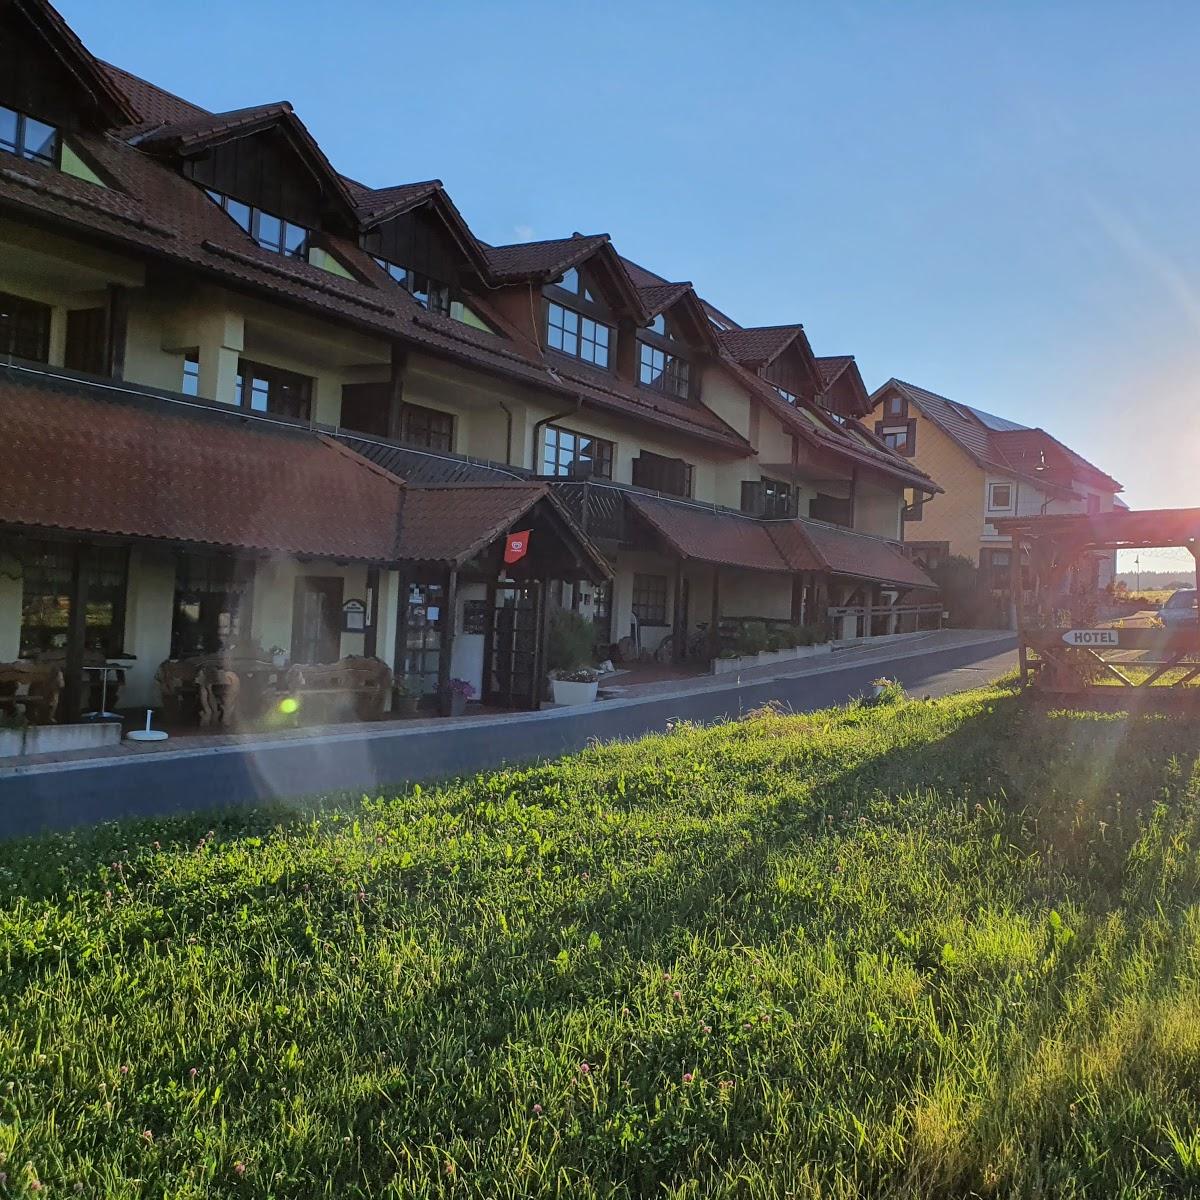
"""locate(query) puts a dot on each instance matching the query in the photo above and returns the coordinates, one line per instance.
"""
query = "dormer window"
(661, 366)
(574, 320)
(269, 231)
(784, 394)
(28, 138)
(428, 293)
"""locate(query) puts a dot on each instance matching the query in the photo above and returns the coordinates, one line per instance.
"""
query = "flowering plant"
(461, 687)
(583, 675)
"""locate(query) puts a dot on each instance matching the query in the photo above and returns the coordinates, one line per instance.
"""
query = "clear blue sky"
(998, 202)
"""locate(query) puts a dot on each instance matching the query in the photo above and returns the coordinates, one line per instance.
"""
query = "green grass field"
(925, 949)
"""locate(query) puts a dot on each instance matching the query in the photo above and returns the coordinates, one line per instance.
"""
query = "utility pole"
(1137, 566)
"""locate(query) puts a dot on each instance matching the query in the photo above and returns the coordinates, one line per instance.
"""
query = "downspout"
(508, 416)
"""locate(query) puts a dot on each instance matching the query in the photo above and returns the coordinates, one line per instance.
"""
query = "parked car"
(1180, 608)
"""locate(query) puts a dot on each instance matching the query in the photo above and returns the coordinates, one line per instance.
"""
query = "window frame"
(9, 333)
(42, 561)
(251, 371)
(582, 302)
(644, 462)
(19, 148)
(778, 499)
(676, 378)
(652, 598)
(891, 428)
(602, 464)
(438, 432)
(993, 507)
(253, 226)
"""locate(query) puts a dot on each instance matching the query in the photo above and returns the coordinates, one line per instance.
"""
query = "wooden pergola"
(1059, 649)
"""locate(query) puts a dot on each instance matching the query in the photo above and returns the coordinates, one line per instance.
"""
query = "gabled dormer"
(779, 354)
(675, 341)
(50, 89)
(419, 239)
(844, 395)
(263, 168)
(573, 297)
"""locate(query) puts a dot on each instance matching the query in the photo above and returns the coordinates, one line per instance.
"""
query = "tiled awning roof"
(84, 459)
(732, 539)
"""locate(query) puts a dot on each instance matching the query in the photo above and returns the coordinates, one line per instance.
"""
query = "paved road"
(182, 780)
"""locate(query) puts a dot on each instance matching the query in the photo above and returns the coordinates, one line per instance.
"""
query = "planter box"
(57, 739)
(573, 693)
(724, 666)
(451, 704)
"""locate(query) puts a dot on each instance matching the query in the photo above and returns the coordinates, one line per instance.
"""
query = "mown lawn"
(928, 949)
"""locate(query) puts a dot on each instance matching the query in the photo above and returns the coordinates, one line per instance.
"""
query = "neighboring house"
(989, 467)
(202, 317)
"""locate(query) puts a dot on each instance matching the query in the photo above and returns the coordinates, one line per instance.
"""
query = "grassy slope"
(931, 949)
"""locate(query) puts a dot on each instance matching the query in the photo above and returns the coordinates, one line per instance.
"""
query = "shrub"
(569, 646)
(751, 638)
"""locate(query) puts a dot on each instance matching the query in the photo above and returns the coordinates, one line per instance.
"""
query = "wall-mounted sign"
(517, 546)
(1092, 637)
(354, 616)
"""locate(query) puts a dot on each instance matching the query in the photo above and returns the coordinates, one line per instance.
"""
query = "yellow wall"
(274, 592)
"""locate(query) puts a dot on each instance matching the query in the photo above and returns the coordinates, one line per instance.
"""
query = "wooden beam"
(116, 330)
(1014, 584)
(678, 629)
(371, 632)
(74, 690)
(395, 423)
(446, 645)
(714, 615)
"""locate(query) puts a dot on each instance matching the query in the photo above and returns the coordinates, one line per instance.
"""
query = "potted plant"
(453, 701)
(573, 680)
(279, 657)
(575, 687)
(409, 692)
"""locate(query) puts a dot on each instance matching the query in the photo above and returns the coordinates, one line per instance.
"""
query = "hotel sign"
(1092, 637)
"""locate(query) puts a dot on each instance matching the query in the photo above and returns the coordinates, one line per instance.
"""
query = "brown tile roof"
(758, 347)
(75, 458)
(148, 100)
(202, 128)
(657, 297)
(831, 366)
(1026, 449)
(375, 204)
(732, 539)
(710, 535)
(541, 260)
(847, 552)
(449, 523)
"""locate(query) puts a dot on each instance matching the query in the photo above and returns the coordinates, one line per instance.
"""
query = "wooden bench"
(352, 689)
(33, 688)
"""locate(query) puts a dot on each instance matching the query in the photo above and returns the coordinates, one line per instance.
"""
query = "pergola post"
(371, 631)
(1014, 584)
(714, 616)
(446, 643)
(678, 627)
(400, 644)
(73, 689)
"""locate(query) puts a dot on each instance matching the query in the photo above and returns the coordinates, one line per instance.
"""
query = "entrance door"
(513, 647)
(317, 619)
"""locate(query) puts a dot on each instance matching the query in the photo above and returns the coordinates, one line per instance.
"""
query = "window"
(87, 340)
(24, 328)
(902, 438)
(427, 427)
(784, 394)
(999, 497)
(577, 335)
(896, 405)
(269, 231)
(28, 138)
(650, 599)
(208, 597)
(274, 390)
(777, 499)
(661, 370)
(427, 292)
(661, 474)
(997, 566)
(191, 375)
(46, 598)
(565, 447)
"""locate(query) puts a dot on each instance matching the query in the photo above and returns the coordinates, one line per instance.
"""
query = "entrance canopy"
(1118, 530)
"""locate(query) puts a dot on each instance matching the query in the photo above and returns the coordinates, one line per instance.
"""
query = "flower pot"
(279, 661)
(573, 693)
(407, 706)
(452, 704)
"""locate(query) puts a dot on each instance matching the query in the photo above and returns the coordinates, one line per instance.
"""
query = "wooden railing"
(876, 622)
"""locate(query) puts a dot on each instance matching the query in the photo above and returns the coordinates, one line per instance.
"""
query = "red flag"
(518, 545)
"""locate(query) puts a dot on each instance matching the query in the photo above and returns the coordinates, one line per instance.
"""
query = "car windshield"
(1182, 599)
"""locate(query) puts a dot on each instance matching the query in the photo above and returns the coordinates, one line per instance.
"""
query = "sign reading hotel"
(1092, 637)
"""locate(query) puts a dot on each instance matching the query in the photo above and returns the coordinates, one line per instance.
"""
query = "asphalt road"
(181, 780)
